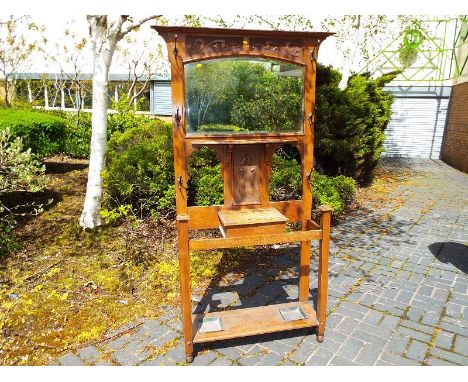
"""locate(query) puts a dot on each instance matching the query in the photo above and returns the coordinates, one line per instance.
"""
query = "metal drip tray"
(209, 324)
(292, 313)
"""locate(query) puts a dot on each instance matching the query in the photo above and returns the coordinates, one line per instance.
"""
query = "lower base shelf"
(253, 321)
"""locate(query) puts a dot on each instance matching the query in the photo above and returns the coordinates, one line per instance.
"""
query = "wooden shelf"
(233, 140)
(245, 216)
(253, 321)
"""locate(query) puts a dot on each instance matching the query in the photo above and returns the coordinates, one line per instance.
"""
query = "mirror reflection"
(243, 95)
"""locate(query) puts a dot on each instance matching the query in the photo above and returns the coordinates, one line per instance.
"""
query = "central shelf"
(209, 141)
(253, 321)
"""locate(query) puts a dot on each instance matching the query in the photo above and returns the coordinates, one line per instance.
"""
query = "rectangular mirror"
(242, 96)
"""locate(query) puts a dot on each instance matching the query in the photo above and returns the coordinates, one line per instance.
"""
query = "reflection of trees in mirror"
(205, 186)
(243, 95)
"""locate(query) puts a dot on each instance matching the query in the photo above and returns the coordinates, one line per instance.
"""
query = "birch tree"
(105, 33)
(19, 38)
(142, 60)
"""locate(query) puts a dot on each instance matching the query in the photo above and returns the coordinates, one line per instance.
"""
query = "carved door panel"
(246, 174)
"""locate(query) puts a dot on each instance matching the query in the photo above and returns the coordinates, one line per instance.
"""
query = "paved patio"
(397, 291)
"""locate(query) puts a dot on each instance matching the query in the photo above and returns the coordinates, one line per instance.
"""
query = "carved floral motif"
(206, 45)
(281, 47)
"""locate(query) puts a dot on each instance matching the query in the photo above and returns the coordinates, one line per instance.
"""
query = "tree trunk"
(62, 98)
(46, 96)
(6, 89)
(30, 97)
(103, 51)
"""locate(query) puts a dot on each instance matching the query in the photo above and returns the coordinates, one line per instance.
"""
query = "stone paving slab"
(397, 291)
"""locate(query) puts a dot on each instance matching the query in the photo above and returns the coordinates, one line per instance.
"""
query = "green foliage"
(140, 168)
(335, 192)
(351, 123)
(125, 117)
(244, 96)
(78, 135)
(19, 172)
(285, 180)
(209, 186)
(285, 184)
(42, 132)
(110, 216)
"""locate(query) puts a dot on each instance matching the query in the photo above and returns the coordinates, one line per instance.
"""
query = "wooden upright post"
(324, 244)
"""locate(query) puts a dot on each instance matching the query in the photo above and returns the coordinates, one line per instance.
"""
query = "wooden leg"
(325, 217)
(184, 274)
(304, 269)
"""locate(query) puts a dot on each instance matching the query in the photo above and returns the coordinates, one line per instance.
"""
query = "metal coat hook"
(178, 117)
(175, 50)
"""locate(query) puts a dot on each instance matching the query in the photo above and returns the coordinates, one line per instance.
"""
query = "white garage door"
(417, 126)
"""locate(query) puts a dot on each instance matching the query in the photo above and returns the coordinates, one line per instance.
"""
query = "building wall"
(455, 145)
(416, 127)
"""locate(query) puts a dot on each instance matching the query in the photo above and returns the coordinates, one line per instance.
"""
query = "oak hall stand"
(247, 217)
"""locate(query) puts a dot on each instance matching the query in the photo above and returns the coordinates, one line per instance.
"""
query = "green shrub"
(209, 186)
(335, 192)
(285, 184)
(286, 179)
(78, 135)
(42, 132)
(19, 172)
(140, 168)
(351, 123)
(125, 117)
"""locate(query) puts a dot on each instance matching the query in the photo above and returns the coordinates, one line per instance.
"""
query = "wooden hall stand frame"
(247, 218)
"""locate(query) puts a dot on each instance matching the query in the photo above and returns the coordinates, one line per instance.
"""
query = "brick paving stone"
(230, 352)
(320, 358)
(304, 351)
(204, 359)
(338, 360)
(396, 359)
(414, 334)
(416, 326)
(368, 355)
(271, 359)
(221, 361)
(177, 354)
(449, 356)
(417, 351)
(351, 348)
(444, 340)
(276, 346)
(89, 353)
(126, 357)
(398, 344)
(461, 345)
(70, 359)
(432, 361)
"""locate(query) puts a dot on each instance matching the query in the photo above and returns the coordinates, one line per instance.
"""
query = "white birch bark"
(62, 98)
(105, 33)
(103, 50)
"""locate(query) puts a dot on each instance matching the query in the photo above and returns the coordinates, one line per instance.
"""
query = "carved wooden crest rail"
(245, 129)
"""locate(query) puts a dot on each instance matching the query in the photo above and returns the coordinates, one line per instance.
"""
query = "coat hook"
(175, 50)
(177, 117)
(312, 55)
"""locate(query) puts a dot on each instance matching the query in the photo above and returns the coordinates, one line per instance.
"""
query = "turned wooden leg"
(325, 217)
